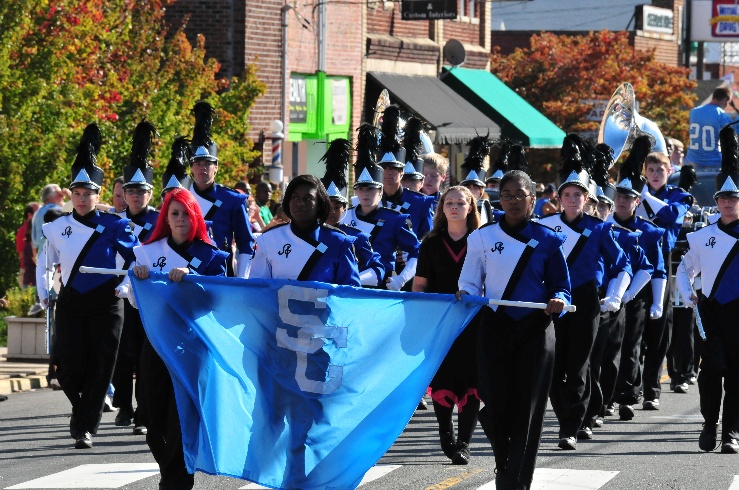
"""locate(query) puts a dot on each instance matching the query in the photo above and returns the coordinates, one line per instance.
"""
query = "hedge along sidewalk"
(21, 376)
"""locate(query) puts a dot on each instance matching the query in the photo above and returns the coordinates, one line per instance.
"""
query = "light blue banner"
(295, 385)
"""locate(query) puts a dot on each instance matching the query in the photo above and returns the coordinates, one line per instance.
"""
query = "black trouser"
(628, 383)
(656, 341)
(158, 411)
(720, 360)
(51, 312)
(681, 355)
(127, 364)
(611, 362)
(575, 335)
(515, 360)
(599, 365)
(88, 332)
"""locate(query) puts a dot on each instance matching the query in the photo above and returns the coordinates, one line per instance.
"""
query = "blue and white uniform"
(589, 242)
(371, 270)
(706, 122)
(323, 254)
(156, 394)
(666, 207)
(418, 206)
(515, 345)
(89, 316)
(713, 255)
(141, 225)
(228, 211)
(388, 231)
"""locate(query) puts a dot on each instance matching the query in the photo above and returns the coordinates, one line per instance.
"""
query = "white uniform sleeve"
(243, 265)
(473, 273)
(396, 283)
(260, 268)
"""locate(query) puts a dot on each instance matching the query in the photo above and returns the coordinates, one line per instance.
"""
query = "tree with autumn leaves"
(557, 72)
(67, 63)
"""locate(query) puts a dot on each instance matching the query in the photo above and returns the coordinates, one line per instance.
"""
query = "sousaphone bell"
(621, 124)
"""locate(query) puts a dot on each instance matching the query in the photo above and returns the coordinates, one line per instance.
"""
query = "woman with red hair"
(179, 245)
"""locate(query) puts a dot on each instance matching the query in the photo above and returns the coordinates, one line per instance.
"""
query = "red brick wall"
(664, 51)
(382, 21)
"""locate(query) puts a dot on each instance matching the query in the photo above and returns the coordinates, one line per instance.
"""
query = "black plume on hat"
(599, 170)
(390, 130)
(607, 152)
(501, 161)
(201, 135)
(86, 159)
(413, 144)
(336, 159)
(367, 146)
(517, 159)
(632, 166)
(479, 150)
(573, 159)
(688, 177)
(177, 166)
(729, 157)
(139, 161)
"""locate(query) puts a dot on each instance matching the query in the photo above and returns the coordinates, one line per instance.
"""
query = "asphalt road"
(656, 450)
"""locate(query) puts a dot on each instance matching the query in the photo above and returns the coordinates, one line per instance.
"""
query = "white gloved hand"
(368, 277)
(610, 304)
(655, 311)
(395, 283)
(628, 296)
(122, 291)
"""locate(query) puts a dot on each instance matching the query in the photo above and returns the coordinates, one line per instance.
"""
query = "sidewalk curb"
(14, 385)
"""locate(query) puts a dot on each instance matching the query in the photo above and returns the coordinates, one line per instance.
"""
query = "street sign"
(428, 9)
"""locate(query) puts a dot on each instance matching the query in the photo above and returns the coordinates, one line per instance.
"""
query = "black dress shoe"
(140, 430)
(84, 441)
(123, 419)
(730, 446)
(585, 433)
(448, 444)
(625, 412)
(707, 439)
(462, 455)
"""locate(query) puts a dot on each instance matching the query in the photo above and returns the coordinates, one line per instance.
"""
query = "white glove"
(658, 297)
(610, 304)
(654, 204)
(122, 291)
(618, 285)
(641, 279)
(395, 283)
(368, 277)
(243, 265)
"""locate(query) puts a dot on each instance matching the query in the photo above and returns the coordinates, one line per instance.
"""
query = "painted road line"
(564, 479)
(377, 471)
(450, 482)
(112, 475)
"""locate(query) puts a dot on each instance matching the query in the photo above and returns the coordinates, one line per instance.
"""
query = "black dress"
(440, 261)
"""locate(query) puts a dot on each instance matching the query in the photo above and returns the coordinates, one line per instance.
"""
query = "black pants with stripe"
(515, 360)
(88, 331)
(603, 364)
(628, 383)
(575, 335)
(720, 362)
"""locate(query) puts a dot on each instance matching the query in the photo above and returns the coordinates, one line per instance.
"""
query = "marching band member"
(416, 205)
(388, 229)
(175, 175)
(606, 354)
(666, 206)
(435, 168)
(178, 245)
(226, 208)
(648, 304)
(499, 167)
(371, 270)
(306, 249)
(713, 256)
(439, 265)
(473, 165)
(521, 260)
(588, 243)
(89, 316)
(137, 185)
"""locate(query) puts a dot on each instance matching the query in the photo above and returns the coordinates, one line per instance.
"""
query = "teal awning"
(518, 120)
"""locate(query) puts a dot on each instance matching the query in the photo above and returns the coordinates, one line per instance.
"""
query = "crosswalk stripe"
(377, 471)
(564, 479)
(112, 475)
(735, 483)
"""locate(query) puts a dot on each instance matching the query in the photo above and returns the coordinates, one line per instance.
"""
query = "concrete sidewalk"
(21, 376)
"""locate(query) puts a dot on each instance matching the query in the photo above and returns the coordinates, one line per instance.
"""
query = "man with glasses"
(226, 208)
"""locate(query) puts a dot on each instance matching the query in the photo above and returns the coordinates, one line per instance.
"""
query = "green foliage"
(556, 72)
(19, 301)
(67, 63)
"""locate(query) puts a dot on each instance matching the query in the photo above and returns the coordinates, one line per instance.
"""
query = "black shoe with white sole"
(84, 441)
(730, 446)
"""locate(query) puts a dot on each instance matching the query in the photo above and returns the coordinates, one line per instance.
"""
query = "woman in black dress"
(439, 265)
